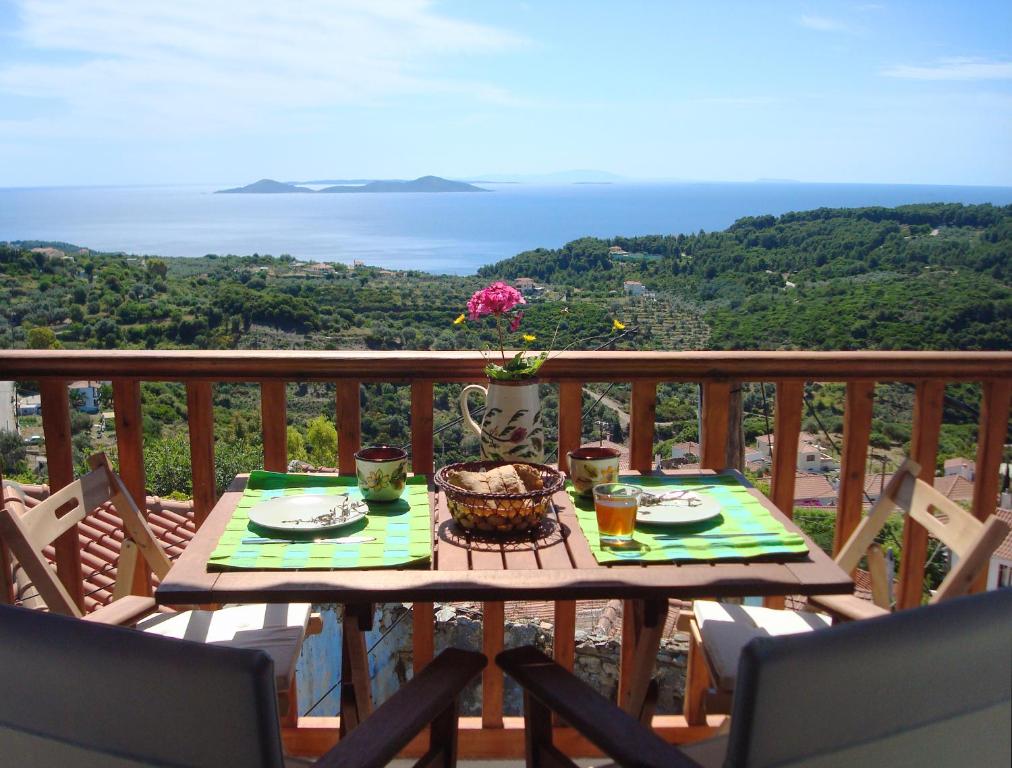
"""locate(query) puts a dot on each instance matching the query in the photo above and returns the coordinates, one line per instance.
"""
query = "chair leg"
(288, 702)
(443, 740)
(697, 681)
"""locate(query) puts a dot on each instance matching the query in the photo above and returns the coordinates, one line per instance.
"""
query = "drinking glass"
(616, 505)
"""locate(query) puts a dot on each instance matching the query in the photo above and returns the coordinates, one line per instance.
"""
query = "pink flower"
(517, 435)
(515, 322)
(496, 299)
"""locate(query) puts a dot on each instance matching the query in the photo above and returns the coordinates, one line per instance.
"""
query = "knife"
(340, 540)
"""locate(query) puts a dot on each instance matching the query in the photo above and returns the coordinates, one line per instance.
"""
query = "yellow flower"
(616, 325)
(529, 337)
(459, 320)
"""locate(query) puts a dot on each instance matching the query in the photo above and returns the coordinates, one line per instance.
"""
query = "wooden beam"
(856, 432)
(786, 431)
(493, 624)
(315, 735)
(274, 424)
(126, 395)
(715, 423)
(421, 428)
(734, 452)
(423, 627)
(927, 425)
(570, 420)
(60, 465)
(410, 365)
(200, 420)
(641, 425)
(991, 434)
(349, 425)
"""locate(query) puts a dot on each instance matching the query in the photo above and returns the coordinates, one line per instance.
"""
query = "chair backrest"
(27, 531)
(82, 694)
(972, 541)
(928, 686)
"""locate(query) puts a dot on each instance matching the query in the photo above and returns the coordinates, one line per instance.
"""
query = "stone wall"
(596, 659)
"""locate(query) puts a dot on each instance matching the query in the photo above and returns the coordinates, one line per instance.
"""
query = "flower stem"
(502, 345)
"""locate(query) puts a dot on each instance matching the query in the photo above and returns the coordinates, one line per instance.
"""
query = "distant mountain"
(423, 184)
(263, 187)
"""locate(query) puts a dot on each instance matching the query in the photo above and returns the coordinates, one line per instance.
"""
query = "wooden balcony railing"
(929, 372)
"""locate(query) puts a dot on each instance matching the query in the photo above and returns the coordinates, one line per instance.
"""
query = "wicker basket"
(498, 512)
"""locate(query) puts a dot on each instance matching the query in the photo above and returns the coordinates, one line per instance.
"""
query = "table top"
(557, 566)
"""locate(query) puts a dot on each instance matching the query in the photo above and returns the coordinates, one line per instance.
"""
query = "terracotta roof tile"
(1004, 550)
(100, 536)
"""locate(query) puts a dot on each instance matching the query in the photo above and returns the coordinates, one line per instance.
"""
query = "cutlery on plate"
(339, 540)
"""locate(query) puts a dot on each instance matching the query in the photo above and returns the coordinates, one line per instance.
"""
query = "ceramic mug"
(382, 471)
(591, 465)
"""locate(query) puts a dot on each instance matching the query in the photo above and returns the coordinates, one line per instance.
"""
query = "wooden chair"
(928, 686)
(76, 693)
(27, 531)
(719, 631)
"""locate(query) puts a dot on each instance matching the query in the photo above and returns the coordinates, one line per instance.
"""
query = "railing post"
(349, 425)
(927, 425)
(856, 431)
(60, 463)
(570, 420)
(274, 424)
(422, 614)
(993, 426)
(421, 428)
(493, 625)
(641, 425)
(713, 439)
(126, 395)
(786, 435)
(200, 421)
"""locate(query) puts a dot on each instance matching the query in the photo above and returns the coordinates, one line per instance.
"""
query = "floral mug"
(591, 465)
(382, 471)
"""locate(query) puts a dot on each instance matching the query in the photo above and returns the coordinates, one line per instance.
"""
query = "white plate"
(306, 513)
(679, 512)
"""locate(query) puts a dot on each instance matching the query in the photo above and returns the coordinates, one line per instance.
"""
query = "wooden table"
(559, 566)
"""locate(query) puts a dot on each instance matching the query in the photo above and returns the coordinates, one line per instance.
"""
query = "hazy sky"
(136, 91)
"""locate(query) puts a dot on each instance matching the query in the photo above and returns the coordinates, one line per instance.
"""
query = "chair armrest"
(847, 607)
(123, 612)
(382, 735)
(619, 735)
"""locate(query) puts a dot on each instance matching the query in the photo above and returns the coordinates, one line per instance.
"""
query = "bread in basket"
(496, 496)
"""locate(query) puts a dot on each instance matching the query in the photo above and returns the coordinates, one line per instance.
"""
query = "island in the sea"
(421, 184)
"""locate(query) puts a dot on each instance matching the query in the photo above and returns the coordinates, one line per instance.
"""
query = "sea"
(447, 233)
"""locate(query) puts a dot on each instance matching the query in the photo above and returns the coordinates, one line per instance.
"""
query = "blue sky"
(214, 91)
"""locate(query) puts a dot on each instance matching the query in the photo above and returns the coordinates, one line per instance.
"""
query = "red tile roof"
(955, 487)
(808, 485)
(100, 537)
(1004, 550)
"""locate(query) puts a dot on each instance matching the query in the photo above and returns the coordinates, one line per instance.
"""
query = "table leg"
(356, 689)
(642, 628)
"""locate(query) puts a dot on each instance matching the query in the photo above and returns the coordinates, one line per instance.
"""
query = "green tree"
(296, 445)
(321, 435)
(12, 452)
(42, 337)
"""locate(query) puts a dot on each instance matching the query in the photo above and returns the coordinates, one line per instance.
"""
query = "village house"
(959, 466)
(999, 572)
(526, 285)
(954, 487)
(812, 457)
(634, 288)
(813, 490)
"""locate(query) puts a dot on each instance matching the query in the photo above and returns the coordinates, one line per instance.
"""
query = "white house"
(526, 285)
(684, 451)
(30, 405)
(959, 466)
(634, 288)
(87, 391)
(999, 573)
(811, 456)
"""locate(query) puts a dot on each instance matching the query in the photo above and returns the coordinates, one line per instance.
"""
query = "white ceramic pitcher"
(511, 427)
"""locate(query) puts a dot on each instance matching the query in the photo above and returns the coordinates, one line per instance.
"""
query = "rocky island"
(421, 184)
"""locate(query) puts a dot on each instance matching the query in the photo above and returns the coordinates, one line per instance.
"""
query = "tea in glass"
(616, 505)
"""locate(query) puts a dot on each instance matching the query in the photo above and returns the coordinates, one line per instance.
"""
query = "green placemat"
(731, 536)
(402, 528)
